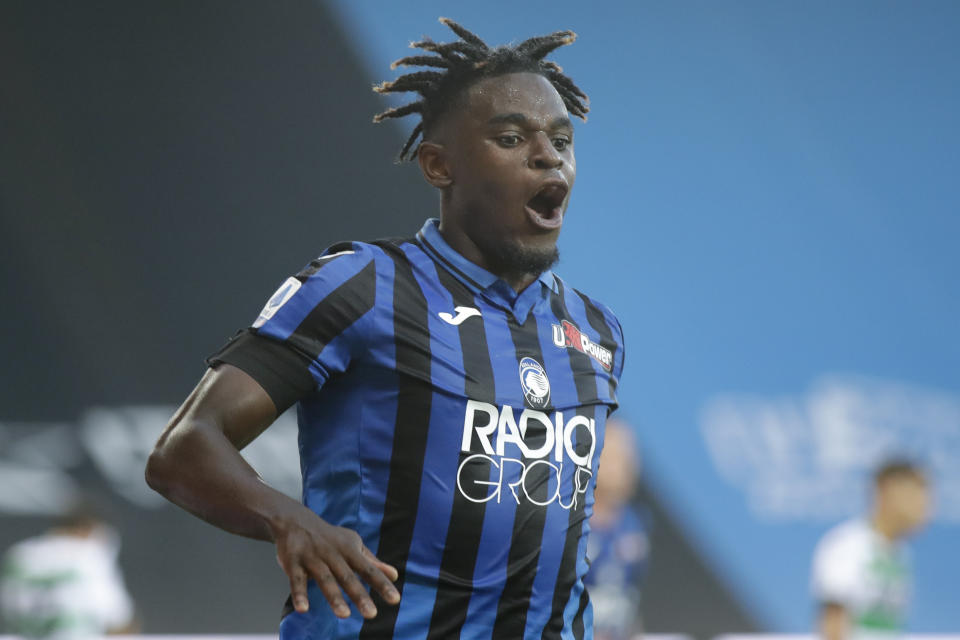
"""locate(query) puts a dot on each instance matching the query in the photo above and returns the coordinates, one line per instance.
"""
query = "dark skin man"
(504, 164)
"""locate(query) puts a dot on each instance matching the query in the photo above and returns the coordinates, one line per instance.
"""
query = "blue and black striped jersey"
(453, 423)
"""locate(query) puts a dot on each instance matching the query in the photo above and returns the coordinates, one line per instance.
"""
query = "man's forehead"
(529, 94)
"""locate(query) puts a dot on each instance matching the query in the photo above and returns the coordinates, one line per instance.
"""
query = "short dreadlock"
(466, 61)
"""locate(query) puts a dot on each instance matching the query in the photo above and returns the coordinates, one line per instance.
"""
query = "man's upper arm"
(230, 400)
(836, 569)
(196, 463)
(311, 328)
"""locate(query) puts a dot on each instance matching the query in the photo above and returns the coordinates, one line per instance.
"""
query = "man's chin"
(513, 259)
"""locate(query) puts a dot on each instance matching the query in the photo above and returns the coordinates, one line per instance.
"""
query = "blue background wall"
(769, 197)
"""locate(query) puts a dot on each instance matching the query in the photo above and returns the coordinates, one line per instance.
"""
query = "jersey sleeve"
(835, 575)
(312, 327)
(603, 323)
(619, 353)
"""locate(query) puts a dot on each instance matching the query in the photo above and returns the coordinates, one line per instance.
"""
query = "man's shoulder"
(849, 538)
(350, 255)
(354, 250)
(592, 305)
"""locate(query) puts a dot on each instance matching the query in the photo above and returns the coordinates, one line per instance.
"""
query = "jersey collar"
(481, 280)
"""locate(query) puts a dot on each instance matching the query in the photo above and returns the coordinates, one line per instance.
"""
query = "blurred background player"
(66, 583)
(618, 547)
(861, 569)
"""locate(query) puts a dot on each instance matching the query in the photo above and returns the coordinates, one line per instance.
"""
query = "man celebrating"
(452, 391)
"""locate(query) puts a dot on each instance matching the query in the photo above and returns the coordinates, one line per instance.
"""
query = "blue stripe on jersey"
(440, 459)
(333, 483)
(447, 371)
(462, 544)
(432, 519)
(413, 363)
(490, 571)
(378, 412)
(574, 603)
(557, 363)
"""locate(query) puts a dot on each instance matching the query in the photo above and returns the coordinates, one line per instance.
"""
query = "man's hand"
(197, 465)
(336, 558)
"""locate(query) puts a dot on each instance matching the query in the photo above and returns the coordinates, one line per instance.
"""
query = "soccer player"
(66, 582)
(452, 391)
(861, 571)
(619, 547)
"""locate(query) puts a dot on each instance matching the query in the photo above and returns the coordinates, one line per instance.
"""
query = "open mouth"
(546, 206)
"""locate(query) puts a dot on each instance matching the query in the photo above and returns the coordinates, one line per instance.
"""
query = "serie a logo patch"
(277, 300)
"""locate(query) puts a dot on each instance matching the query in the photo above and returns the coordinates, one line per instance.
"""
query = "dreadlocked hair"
(462, 63)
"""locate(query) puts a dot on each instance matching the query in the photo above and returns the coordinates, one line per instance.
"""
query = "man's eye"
(509, 140)
(561, 143)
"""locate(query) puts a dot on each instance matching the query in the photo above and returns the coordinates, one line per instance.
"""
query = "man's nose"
(543, 154)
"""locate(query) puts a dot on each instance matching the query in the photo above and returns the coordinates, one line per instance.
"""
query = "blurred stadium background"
(768, 196)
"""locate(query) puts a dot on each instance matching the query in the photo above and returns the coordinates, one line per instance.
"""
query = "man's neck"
(520, 282)
(883, 525)
(462, 244)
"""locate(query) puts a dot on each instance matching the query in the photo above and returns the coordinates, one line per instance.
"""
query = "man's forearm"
(197, 467)
(834, 622)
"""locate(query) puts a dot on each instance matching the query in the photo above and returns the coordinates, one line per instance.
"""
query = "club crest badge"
(536, 386)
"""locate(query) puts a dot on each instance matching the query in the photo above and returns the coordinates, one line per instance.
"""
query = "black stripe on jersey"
(567, 574)
(530, 519)
(340, 309)
(599, 324)
(578, 618)
(409, 437)
(466, 517)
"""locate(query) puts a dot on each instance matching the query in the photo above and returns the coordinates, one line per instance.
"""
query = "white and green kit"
(870, 576)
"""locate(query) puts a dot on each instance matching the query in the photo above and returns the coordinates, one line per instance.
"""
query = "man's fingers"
(298, 588)
(351, 584)
(330, 589)
(389, 570)
(379, 575)
(342, 567)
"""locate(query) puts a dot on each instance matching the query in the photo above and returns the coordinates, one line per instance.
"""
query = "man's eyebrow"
(524, 121)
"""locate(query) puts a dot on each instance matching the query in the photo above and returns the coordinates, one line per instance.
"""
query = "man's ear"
(433, 163)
